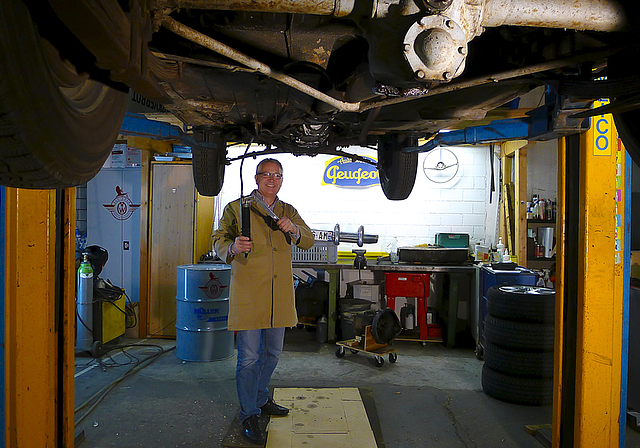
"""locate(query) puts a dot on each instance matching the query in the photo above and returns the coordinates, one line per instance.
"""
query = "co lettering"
(602, 133)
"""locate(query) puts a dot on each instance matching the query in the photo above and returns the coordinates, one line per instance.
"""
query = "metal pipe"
(241, 58)
(337, 8)
(592, 15)
(360, 238)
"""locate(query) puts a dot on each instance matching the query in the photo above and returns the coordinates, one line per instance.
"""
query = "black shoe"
(271, 408)
(252, 431)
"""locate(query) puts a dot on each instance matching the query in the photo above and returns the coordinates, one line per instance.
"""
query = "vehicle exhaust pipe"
(336, 8)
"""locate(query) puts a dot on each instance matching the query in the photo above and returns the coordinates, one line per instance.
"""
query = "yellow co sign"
(604, 138)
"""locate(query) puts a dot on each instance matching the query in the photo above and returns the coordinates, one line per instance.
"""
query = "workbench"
(455, 272)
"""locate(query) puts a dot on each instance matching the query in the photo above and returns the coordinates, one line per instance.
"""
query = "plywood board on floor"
(334, 417)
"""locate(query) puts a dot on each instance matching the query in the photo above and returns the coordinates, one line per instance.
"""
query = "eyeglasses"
(265, 174)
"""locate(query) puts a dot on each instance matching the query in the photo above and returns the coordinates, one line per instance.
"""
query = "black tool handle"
(245, 218)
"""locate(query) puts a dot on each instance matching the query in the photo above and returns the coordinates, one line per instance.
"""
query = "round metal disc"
(385, 326)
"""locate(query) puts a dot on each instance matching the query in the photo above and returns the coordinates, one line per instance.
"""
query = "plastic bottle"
(500, 249)
(394, 257)
(409, 321)
(506, 258)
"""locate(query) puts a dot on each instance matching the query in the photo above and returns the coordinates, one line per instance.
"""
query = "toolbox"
(452, 239)
(363, 289)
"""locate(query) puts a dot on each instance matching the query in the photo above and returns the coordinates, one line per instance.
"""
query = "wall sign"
(344, 172)
(121, 208)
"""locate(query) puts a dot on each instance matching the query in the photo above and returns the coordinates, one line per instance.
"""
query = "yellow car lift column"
(39, 317)
(590, 387)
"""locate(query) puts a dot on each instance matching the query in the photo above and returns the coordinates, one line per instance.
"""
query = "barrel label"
(205, 314)
(214, 287)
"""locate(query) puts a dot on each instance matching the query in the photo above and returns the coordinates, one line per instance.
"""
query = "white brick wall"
(460, 206)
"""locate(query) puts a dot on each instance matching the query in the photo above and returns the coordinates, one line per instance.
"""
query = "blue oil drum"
(202, 312)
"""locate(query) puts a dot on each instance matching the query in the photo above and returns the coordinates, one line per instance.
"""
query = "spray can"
(84, 305)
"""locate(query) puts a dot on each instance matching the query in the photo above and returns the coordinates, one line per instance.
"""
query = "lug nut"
(407, 47)
(420, 74)
(462, 50)
(447, 76)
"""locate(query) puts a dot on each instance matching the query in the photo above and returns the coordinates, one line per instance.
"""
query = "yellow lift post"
(590, 358)
(39, 289)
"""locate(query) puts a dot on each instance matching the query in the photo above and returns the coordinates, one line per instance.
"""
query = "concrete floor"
(432, 397)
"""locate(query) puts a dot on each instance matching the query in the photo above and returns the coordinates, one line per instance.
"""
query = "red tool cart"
(411, 284)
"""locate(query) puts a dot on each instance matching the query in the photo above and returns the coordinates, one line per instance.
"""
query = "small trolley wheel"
(379, 361)
(96, 349)
(393, 357)
(479, 351)
(353, 350)
(340, 352)
(424, 343)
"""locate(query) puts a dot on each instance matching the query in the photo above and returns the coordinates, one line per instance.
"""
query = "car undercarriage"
(300, 77)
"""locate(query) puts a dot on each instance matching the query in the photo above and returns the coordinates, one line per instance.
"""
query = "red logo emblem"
(121, 207)
(213, 288)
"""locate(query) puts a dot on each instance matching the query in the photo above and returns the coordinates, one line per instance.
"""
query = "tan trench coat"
(261, 293)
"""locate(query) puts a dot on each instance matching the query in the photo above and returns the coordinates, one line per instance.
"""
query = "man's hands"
(242, 244)
(287, 226)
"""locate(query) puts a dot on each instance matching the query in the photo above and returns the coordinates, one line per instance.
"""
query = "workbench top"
(373, 265)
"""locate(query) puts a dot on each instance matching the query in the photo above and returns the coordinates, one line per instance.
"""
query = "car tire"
(57, 127)
(397, 169)
(519, 335)
(522, 303)
(518, 390)
(518, 362)
(209, 161)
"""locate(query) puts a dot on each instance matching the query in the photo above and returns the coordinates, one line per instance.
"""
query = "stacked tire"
(519, 341)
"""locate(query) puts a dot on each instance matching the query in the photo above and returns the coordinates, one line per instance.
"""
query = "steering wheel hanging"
(440, 165)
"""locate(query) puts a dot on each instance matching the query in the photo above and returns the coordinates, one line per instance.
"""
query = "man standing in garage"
(261, 295)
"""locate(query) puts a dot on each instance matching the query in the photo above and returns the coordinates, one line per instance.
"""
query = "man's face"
(268, 184)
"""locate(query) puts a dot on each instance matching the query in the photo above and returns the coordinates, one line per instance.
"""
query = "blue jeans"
(258, 354)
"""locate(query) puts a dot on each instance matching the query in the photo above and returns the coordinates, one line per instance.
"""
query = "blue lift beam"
(550, 121)
(138, 126)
